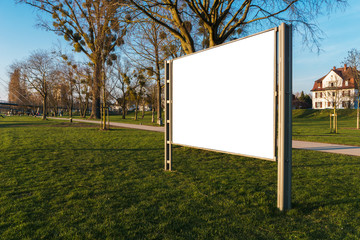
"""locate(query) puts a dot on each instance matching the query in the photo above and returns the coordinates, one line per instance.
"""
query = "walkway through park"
(315, 146)
(327, 147)
(116, 124)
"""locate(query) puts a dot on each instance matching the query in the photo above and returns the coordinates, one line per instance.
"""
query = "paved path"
(327, 147)
(116, 124)
(315, 146)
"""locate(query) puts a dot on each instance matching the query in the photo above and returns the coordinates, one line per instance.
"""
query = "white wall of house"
(332, 80)
(326, 99)
(322, 99)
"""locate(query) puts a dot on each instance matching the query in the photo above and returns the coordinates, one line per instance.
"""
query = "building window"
(333, 94)
(321, 105)
(328, 104)
(331, 84)
(315, 95)
(346, 83)
(321, 94)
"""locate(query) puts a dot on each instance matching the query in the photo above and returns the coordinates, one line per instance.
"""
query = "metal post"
(168, 115)
(285, 118)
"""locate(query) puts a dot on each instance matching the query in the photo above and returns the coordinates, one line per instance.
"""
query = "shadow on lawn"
(45, 123)
(22, 124)
(327, 165)
(322, 135)
(97, 149)
(308, 207)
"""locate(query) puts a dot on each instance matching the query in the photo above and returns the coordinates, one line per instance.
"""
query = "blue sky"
(342, 33)
(19, 37)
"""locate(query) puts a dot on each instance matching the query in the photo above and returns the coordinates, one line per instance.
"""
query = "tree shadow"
(97, 149)
(308, 207)
(307, 135)
(327, 165)
(22, 124)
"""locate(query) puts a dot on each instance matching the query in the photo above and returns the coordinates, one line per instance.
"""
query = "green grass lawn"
(314, 125)
(319, 131)
(308, 125)
(72, 181)
(131, 116)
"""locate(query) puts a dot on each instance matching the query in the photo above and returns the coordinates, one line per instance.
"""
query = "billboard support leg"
(285, 118)
(168, 115)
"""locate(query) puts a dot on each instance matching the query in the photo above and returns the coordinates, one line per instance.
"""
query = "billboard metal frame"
(282, 113)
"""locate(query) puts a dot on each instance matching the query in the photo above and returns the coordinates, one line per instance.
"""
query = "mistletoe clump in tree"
(91, 27)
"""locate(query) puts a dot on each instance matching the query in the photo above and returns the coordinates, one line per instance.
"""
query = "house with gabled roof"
(338, 87)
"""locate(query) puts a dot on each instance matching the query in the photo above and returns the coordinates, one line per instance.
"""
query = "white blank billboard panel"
(223, 98)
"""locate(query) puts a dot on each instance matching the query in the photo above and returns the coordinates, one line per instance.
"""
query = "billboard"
(223, 97)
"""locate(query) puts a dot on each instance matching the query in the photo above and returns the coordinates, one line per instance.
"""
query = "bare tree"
(55, 91)
(221, 19)
(67, 86)
(91, 27)
(78, 78)
(121, 77)
(336, 97)
(82, 87)
(151, 98)
(353, 61)
(149, 46)
(39, 71)
(137, 90)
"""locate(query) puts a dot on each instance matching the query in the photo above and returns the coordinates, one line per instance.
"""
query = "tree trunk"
(358, 119)
(123, 106)
(358, 114)
(158, 87)
(103, 109)
(335, 119)
(136, 108)
(70, 113)
(96, 88)
(44, 107)
(143, 109)
(71, 108)
(152, 115)
(123, 112)
(86, 105)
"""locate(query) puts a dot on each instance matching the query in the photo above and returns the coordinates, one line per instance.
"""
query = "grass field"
(314, 125)
(62, 181)
(308, 125)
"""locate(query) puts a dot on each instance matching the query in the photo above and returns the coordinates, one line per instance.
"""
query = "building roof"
(346, 73)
